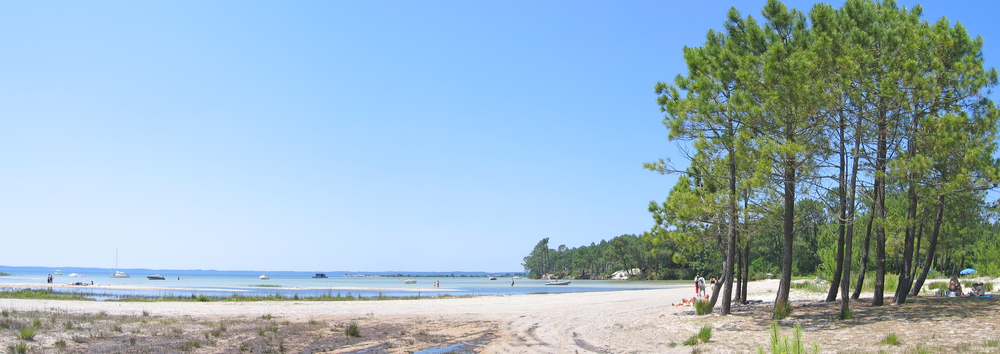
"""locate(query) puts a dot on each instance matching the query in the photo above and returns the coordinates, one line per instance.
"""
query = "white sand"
(619, 321)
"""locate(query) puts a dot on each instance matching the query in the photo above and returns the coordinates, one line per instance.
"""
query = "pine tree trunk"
(746, 272)
(784, 285)
(931, 246)
(880, 172)
(903, 285)
(845, 285)
(864, 261)
(842, 217)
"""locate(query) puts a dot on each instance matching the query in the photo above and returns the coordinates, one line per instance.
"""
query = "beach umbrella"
(967, 271)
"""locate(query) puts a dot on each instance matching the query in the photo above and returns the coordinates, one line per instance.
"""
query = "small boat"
(319, 275)
(264, 277)
(76, 275)
(409, 281)
(557, 282)
(516, 277)
(118, 273)
(493, 278)
(58, 272)
(155, 277)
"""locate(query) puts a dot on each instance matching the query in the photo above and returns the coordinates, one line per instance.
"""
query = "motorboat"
(516, 277)
(319, 275)
(409, 281)
(58, 272)
(556, 282)
(493, 278)
(76, 275)
(264, 277)
(155, 277)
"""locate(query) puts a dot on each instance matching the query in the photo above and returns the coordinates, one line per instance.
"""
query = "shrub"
(891, 339)
(782, 310)
(266, 317)
(988, 286)
(27, 333)
(352, 330)
(702, 307)
(203, 298)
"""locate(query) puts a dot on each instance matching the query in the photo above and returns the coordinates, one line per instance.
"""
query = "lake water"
(288, 284)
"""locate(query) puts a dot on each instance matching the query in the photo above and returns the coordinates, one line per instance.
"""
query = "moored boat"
(557, 282)
(58, 272)
(119, 274)
(155, 277)
(264, 277)
(319, 275)
(409, 281)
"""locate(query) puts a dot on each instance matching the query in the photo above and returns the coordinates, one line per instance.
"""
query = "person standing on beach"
(701, 285)
(696, 290)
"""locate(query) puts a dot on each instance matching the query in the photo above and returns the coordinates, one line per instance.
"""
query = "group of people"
(699, 285)
(955, 289)
(700, 290)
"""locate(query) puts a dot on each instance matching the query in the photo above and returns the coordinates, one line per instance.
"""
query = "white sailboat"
(118, 273)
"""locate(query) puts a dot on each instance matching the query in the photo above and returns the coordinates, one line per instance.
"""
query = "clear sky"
(340, 135)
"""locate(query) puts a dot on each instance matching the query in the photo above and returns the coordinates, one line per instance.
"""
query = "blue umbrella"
(967, 271)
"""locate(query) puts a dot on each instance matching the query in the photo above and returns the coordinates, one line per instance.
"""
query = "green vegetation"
(782, 310)
(19, 348)
(26, 333)
(702, 307)
(352, 330)
(190, 345)
(2, 274)
(891, 339)
(38, 294)
(783, 345)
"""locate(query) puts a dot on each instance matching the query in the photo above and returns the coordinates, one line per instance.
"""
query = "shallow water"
(185, 283)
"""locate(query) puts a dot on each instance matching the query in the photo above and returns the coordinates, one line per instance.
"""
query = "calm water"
(288, 284)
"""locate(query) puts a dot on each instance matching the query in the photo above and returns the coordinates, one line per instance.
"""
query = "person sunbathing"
(685, 302)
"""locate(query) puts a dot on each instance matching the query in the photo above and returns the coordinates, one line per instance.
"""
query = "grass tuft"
(61, 344)
(352, 330)
(190, 345)
(702, 307)
(891, 339)
(26, 333)
(19, 348)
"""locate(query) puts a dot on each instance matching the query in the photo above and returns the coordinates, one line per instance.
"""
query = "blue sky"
(422, 136)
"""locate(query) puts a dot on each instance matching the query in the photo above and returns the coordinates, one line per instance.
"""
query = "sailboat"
(118, 273)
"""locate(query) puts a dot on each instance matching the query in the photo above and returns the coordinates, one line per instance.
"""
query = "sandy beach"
(601, 322)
